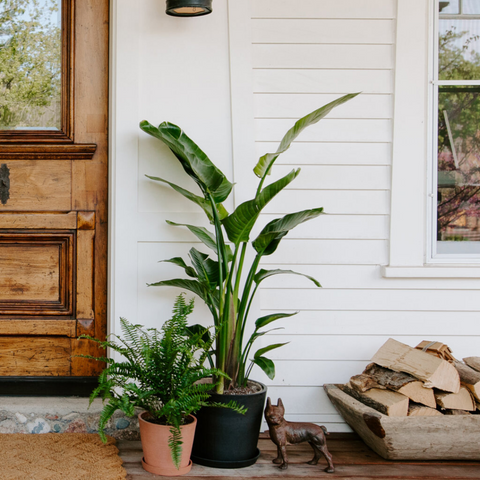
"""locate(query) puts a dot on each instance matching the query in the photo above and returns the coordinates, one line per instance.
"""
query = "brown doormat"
(59, 456)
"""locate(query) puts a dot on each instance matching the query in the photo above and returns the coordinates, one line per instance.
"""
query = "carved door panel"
(53, 218)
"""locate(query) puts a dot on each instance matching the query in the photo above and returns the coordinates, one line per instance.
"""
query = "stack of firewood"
(423, 381)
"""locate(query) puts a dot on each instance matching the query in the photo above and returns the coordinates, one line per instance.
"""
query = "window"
(36, 65)
(413, 201)
(456, 99)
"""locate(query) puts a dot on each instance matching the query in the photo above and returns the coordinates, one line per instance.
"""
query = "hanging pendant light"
(188, 8)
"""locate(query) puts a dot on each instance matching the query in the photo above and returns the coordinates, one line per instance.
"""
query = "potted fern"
(160, 372)
(227, 285)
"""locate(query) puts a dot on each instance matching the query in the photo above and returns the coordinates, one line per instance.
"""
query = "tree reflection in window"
(30, 64)
(458, 197)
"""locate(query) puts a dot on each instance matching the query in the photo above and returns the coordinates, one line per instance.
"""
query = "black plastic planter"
(226, 439)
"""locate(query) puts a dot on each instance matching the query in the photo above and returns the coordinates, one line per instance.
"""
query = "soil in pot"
(157, 457)
(227, 439)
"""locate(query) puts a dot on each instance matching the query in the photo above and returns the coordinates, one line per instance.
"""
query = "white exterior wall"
(246, 73)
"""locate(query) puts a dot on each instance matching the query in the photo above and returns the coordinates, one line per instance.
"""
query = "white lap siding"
(305, 54)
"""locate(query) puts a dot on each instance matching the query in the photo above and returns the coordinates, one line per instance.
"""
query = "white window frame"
(410, 217)
(432, 255)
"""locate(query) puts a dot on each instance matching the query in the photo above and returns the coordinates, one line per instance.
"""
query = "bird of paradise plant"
(221, 281)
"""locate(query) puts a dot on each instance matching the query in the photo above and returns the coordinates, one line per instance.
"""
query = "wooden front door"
(53, 218)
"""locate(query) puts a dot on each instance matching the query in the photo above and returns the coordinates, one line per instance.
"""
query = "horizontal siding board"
(322, 81)
(328, 31)
(391, 323)
(354, 348)
(323, 56)
(330, 153)
(362, 277)
(351, 202)
(312, 373)
(324, 9)
(373, 227)
(152, 226)
(329, 252)
(303, 400)
(328, 130)
(296, 105)
(406, 300)
(339, 177)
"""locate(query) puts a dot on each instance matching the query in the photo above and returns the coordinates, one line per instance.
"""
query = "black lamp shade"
(188, 8)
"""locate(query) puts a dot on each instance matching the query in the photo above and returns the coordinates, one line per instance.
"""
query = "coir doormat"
(59, 456)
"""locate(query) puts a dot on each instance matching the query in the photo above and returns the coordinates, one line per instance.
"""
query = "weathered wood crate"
(410, 438)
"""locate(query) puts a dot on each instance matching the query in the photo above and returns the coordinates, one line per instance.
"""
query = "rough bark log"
(434, 371)
(389, 403)
(470, 378)
(362, 383)
(402, 383)
(473, 362)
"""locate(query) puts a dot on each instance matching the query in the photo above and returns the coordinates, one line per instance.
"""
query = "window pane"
(458, 196)
(451, 6)
(471, 7)
(459, 49)
(30, 64)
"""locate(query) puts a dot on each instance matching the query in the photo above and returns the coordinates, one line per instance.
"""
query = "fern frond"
(175, 443)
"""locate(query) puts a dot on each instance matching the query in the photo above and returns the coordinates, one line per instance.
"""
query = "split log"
(416, 410)
(362, 383)
(473, 362)
(434, 371)
(438, 349)
(470, 378)
(456, 401)
(456, 412)
(402, 383)
(389, 403)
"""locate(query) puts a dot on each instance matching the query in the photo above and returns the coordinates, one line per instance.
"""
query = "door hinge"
(4, 183)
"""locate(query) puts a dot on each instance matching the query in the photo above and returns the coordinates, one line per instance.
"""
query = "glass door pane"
(30, 64)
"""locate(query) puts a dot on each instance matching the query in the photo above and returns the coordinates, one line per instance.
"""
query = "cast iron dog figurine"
(285, 433)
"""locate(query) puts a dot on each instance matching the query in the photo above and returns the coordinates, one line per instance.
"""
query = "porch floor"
(351, 457)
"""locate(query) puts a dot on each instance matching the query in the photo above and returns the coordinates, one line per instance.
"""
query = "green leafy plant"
(159, 373)
(222, 279)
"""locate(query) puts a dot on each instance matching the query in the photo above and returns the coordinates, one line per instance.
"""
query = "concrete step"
(61, 414)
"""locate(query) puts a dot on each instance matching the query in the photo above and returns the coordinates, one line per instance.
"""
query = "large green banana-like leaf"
(266, 365)
(262, 321)
(193, 286)
(200, 201)
(207, 269)
(239, 224)
(190, 271)
(261, 351)
(255, 335)
(194, 161)
(205, 236)
(263, 274)
(264, 163)
(267, 242)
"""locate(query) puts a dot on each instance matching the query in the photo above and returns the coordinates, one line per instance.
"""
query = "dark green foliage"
(158, 372)
(224, 281)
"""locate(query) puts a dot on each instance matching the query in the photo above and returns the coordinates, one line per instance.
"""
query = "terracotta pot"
(157, 457)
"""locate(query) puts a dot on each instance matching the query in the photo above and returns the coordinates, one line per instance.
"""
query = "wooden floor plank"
(352, 458)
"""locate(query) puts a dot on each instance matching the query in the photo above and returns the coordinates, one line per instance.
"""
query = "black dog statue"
(285, 433)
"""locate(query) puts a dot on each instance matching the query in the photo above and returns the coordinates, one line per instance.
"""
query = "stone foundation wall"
(59, 415)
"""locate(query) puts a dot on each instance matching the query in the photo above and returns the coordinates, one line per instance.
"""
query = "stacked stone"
(42, 420)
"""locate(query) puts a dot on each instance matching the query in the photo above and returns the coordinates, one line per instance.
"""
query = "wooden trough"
(448, 437)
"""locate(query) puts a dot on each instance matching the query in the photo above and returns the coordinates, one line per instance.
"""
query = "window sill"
(431, 271)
